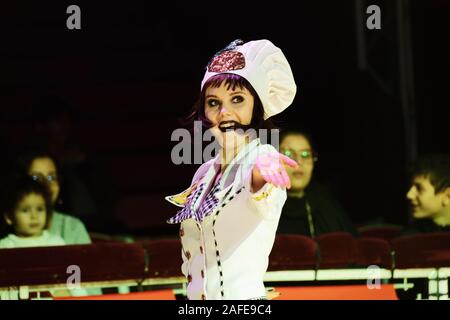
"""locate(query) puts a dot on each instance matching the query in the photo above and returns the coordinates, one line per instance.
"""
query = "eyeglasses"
(41, 178)
(304, 155)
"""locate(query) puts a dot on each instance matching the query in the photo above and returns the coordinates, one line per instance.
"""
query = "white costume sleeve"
(269, 200)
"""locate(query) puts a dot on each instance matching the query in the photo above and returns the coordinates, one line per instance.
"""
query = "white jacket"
(225, 256)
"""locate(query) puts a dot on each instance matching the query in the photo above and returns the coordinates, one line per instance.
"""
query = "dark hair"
(231, 81)
(307, 136)
(16, 191)
(435, 167)
(24, 160)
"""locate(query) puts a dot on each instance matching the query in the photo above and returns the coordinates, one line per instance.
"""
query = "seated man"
(429, 195)
(310, 208)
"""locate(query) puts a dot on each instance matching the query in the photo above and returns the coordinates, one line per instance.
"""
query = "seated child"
(27, 213)
(429, 195)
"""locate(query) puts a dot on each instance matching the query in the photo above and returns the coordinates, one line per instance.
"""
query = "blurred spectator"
(310, 208)
(41, 166)
(27, 213)
(429, 195)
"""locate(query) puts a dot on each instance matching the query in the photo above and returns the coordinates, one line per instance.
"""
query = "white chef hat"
(264, 66)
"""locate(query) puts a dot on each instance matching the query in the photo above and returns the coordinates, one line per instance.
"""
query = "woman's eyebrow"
(211, 96)
(237, 92)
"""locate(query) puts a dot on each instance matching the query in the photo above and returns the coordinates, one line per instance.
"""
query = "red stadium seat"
(164, 257)
(373, 251)
(49, 265)
(293, 252)
(164, 294)
(431, 250)
(337, 250)
(381, 231)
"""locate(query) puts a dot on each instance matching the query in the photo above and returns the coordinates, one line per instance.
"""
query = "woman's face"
(44, 169)
(297, 147)
(226, 107)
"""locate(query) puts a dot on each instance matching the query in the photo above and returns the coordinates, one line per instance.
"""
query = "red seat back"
(49, 265)
(430, 250)
(164, 257)
(382, 231)
(293, 252)
(336, 250)
(373, 251)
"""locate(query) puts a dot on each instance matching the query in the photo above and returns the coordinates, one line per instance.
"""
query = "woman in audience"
(310, 209)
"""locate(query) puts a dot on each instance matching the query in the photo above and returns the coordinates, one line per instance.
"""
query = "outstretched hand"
(270, 168)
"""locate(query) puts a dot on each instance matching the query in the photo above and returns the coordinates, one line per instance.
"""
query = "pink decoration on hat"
(227, 61)
(264, 66)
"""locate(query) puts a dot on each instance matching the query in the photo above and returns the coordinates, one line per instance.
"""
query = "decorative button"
(188, 254)
(201, 249)
(181, 232)
(202, 273)
(189, 278)
(203, 297)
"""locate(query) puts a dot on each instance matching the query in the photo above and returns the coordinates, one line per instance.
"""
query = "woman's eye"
(306, 155)
(41, 209)
(212, 103)
(238, 99)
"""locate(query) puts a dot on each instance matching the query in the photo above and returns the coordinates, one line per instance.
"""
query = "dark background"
(135, 67)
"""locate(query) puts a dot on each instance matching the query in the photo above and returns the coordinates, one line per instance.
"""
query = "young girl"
(27, 212)
(231, 209)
